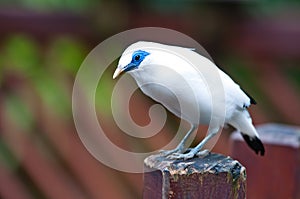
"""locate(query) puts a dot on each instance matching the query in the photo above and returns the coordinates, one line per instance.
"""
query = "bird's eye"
(137, 57)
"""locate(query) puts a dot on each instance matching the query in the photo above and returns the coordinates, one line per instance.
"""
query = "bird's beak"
(117, 72)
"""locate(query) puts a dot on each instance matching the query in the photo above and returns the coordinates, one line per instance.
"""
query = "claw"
(167, 152)
(191, 154)
(203, 153)
(178, 150)
(176, 156)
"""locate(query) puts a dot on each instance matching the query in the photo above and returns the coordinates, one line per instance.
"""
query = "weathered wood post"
(277, 174)
(213, 176)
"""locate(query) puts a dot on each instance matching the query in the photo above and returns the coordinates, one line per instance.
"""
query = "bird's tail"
(242, 121)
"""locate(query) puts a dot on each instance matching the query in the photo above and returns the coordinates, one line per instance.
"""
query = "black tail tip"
(255, 144)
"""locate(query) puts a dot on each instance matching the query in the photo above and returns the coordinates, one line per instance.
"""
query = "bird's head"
(130, 61)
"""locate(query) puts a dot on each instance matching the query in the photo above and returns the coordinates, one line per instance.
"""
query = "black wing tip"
(252, 101)
(255, 144)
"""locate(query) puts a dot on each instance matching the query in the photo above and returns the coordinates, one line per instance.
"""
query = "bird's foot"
(203, 153)
(177, 156)
(179, 149)
(191, 154)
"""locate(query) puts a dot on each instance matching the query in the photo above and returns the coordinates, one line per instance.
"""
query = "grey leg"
(180, 146)
(211, 134)
(197, 149)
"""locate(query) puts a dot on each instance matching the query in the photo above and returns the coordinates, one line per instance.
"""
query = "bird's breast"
(183, 94)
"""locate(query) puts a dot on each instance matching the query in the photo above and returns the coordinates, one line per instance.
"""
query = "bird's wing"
(234, 94)
(252, 100)
(192, 49)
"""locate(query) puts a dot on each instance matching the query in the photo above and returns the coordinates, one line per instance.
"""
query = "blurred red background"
(42, 45)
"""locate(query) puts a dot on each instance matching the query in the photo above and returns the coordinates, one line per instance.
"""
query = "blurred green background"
(43, 43)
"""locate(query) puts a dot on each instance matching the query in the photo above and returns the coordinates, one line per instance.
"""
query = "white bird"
(165, 74)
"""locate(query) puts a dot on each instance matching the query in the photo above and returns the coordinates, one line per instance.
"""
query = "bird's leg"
(180, 147)
(197, 149)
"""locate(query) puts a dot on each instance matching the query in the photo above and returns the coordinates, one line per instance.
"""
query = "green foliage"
(62, 60)
(6, 157)
(292, 71)
(52, 5)
(270, 7)
(104, 91)
(65, 53)
(18, 112)
(21, 54)
(48, 71)
(53, 94)
(168, 5)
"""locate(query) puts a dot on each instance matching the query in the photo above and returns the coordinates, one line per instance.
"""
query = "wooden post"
(214, 176)
(277, 174)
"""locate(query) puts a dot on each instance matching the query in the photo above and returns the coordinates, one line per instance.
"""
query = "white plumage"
(186, 83)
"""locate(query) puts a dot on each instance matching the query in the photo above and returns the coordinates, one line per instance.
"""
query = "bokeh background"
(43, 43)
